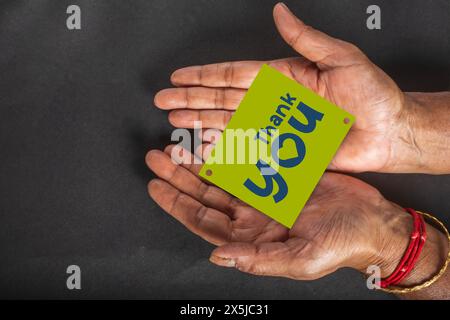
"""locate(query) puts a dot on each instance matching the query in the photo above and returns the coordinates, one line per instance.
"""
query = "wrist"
(394, 238)
(407, 153)
(431, 260)
(391, 229)
(421, 133)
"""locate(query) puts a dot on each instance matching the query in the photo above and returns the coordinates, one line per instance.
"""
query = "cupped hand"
(346, 223)
(334, 69)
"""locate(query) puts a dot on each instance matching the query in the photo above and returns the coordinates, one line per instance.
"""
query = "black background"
(77, 118)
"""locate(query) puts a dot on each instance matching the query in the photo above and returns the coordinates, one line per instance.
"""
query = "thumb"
(269, 258)
(313, 44)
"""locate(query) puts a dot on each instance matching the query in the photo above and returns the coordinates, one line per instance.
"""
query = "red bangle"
(412, 253)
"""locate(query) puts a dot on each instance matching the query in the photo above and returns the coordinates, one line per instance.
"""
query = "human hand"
(346, 223)
(334, 69)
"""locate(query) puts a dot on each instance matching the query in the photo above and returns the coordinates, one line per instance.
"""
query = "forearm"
(422, 143)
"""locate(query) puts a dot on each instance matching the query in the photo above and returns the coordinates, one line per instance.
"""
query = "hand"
(346, 223)
(334, 69)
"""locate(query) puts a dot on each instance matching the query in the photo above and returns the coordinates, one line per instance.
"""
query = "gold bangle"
(429, 282)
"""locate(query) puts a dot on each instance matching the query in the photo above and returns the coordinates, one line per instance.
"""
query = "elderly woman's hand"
(346, 223)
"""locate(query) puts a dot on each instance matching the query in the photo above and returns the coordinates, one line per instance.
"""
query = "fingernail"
(286, 9)
(224, 262)
(155, 183)
(163, 97)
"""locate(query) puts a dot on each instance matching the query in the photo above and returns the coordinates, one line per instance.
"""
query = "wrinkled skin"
(346, 223)
(335, 69)
(339, 226)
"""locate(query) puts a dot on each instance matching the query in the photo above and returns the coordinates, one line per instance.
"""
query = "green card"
(277, 146)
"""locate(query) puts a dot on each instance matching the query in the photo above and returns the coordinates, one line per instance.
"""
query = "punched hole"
(208, 172)
(346, 120)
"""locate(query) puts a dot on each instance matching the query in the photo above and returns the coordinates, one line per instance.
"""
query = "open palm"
(336, 70)
(330, 233)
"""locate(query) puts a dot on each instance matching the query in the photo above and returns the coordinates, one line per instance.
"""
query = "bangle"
(412, 253)
(397, 290)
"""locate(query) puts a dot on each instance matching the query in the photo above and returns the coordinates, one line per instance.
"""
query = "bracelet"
(412, 253)
(397, 290)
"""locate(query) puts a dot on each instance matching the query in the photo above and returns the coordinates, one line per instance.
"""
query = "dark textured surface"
(76, 119)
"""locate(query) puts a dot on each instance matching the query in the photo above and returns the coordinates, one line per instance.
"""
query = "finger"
(183, 157)
(217, 119)
(208, 223)
(199, 98)
(313, 44)
(238, 74)
(248, 223)
(204, 150)
(243, 72)
(211, 135)
(182, 179)
(267, 258)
